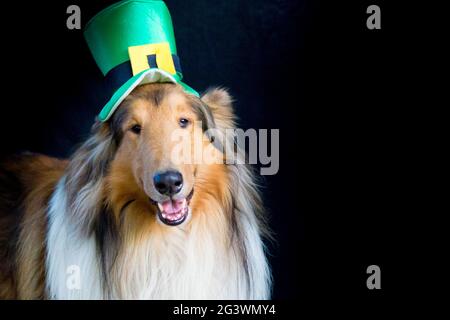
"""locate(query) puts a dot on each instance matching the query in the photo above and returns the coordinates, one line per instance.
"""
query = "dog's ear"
(220, 105)
(217, 115)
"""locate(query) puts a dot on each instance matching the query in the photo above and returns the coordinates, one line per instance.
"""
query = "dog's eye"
(184, 122)
(136, 129)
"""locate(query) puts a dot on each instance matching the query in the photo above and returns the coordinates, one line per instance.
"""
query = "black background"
(309, 68)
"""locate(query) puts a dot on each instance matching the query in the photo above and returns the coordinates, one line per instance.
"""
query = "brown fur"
(32, 179)
(121, 164)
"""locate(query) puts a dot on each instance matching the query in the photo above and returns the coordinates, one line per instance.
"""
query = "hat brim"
(153, 75)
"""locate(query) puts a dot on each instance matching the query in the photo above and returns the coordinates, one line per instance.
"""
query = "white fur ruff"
(180, 265)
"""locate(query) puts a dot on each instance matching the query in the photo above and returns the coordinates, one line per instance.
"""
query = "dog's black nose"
(168, 183)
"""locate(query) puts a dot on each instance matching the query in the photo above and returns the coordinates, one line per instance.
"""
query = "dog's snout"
(168, 183)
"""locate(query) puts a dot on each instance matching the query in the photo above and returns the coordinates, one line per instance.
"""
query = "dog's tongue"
(173, 206)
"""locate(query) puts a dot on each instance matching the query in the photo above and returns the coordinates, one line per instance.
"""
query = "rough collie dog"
(129, 222)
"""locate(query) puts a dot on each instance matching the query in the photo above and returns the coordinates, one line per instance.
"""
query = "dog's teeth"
(183, 209)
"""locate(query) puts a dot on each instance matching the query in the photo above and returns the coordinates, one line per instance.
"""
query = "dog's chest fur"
(178, 264)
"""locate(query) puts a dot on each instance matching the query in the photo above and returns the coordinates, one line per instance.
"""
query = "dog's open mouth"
(173, 212)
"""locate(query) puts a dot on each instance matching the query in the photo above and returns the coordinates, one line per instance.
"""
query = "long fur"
(219, 254)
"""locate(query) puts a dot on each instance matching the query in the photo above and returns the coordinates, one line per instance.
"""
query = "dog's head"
(158, 131)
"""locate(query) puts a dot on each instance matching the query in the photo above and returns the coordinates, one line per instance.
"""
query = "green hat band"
(120, 74)
(133, 43)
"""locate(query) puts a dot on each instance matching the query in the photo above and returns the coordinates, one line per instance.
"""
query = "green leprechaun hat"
(133, 43)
